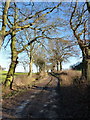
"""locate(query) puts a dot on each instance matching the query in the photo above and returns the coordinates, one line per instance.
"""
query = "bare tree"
(3, 31)
(79, 26)
(60, 51)
(40, 58)
(14, 20)
(40, 63)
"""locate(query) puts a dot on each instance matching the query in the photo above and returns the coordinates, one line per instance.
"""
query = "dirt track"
(52, 101)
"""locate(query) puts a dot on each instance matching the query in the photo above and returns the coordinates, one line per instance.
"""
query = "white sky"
(5, 62)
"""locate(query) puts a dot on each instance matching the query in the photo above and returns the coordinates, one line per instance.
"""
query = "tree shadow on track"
(70, 103)
(72, 100)
(58, 79)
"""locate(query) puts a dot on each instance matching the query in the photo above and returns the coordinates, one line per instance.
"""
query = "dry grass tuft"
(69, 76)
(23, 80)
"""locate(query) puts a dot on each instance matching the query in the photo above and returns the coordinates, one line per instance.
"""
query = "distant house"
(77, 66)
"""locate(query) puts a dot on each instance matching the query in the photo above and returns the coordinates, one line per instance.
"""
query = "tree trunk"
(88, 66)
(30, 66)
(10, 74)
(4, 22)
(53, 68)
(57, 66)
(84, 69)
(14, 61)
(37, 69)
(88, 60)
(88, 72)
(60, 65)
(88, 5)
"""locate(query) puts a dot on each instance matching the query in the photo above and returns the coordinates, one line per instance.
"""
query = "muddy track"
(48, 99)
(38, 102)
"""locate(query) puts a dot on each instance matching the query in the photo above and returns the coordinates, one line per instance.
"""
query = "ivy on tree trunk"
(14, 62)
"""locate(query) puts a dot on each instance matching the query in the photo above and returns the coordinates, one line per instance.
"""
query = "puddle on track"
(19, 109)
